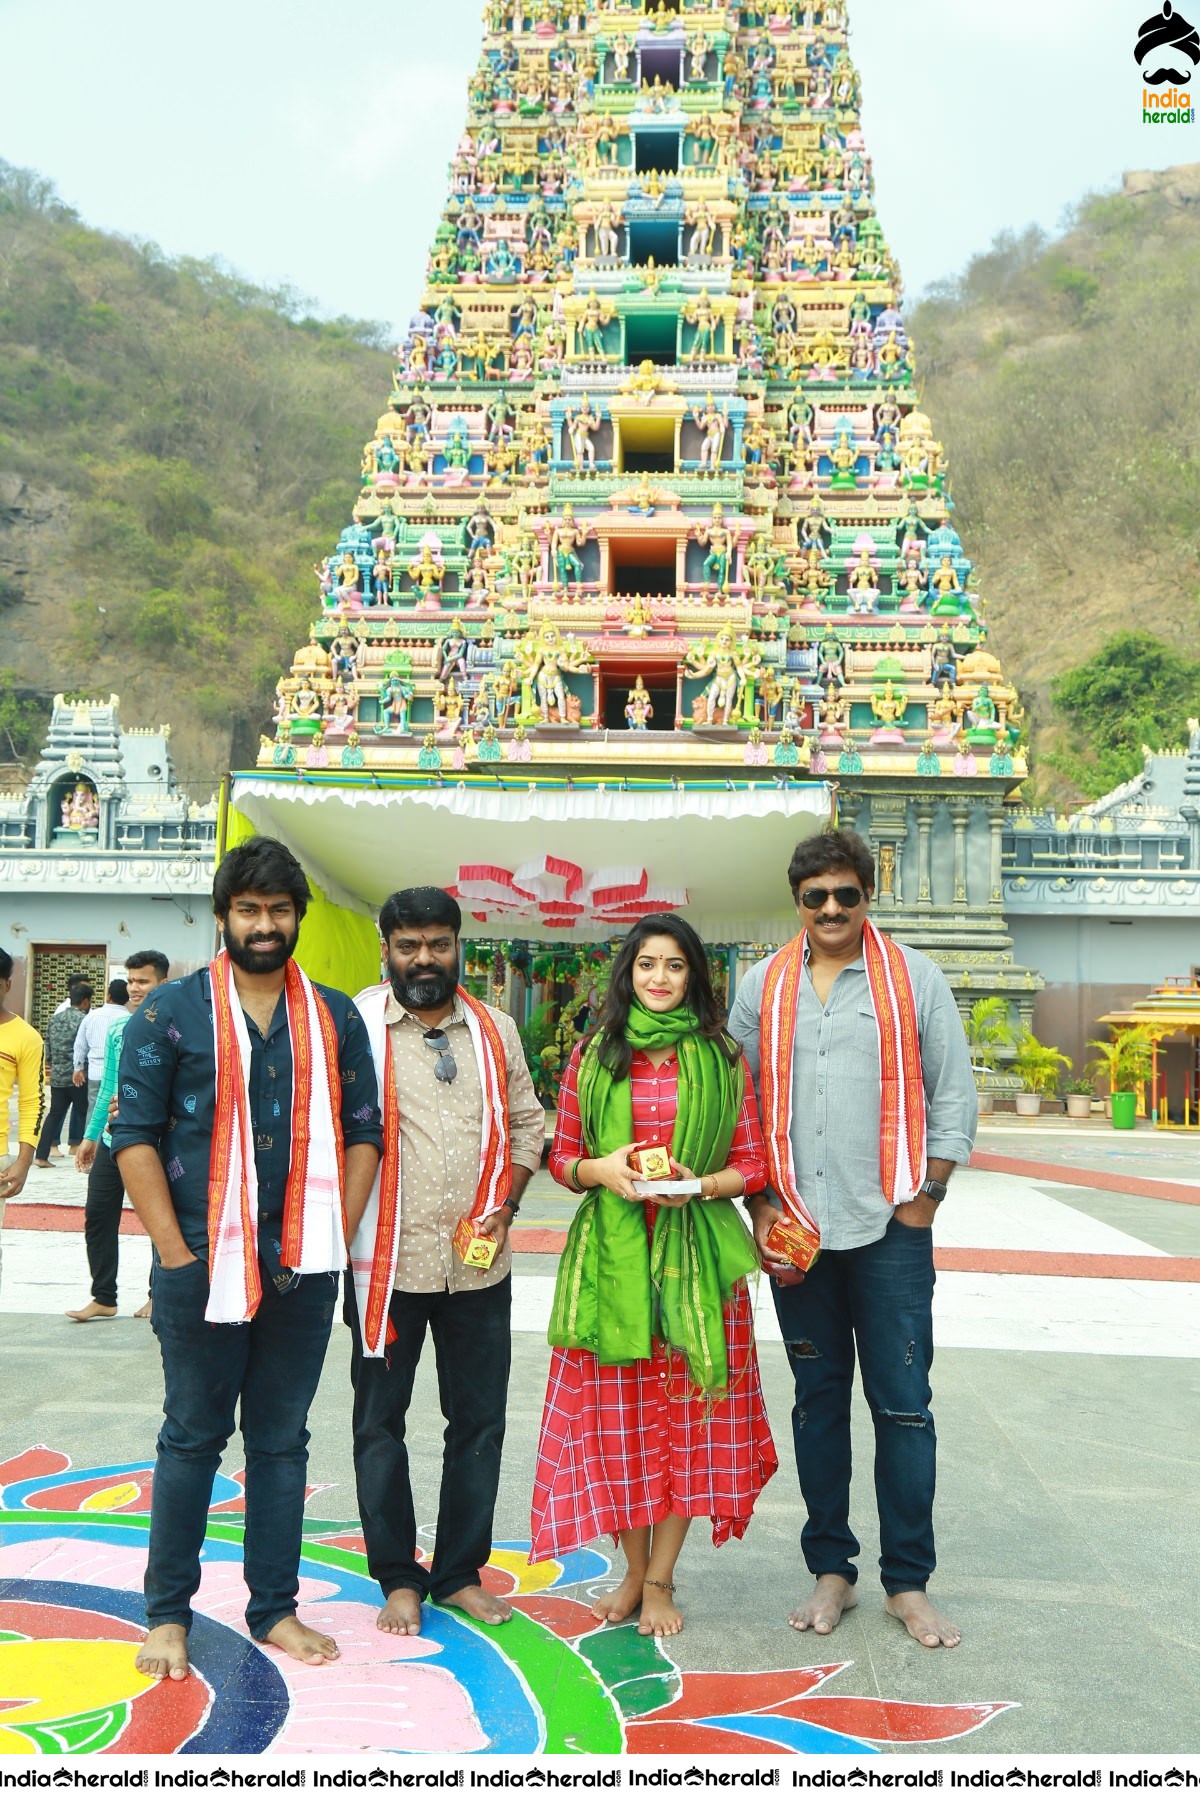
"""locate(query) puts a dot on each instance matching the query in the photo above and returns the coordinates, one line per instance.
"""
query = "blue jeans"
(272, 1365)
(472, 1346)
(880, 1299)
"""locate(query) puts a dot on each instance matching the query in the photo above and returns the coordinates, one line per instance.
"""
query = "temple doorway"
(615, 682)
(50, 968)
(662, 699)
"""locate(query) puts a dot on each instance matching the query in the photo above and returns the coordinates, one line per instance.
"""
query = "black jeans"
(272, 1366)
(63, 1100)
(472, 1344)
(880, 1298)
(102, 1224)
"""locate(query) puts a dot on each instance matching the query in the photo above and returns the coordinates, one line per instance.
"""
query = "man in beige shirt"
(462, 1088)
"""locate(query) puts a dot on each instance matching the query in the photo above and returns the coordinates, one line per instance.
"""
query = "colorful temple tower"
(654, 508)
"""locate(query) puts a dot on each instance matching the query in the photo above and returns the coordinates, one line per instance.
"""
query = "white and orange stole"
(901, 1086)
(314, 1224)
(376, 1243)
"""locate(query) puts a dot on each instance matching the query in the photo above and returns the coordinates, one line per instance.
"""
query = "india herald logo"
(1167, 49)
(1167, 52)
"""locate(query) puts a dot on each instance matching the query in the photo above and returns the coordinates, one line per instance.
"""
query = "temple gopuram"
(653, 563)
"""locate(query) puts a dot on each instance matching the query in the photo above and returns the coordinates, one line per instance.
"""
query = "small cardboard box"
(790, 1243)
(653, 1163)
(475, 1249)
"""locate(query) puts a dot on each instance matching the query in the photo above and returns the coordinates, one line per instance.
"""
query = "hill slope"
(1064, 381)
(176, 448)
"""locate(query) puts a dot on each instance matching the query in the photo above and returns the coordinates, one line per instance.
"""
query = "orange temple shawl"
(377, 1241)
(314, 1240)
(901, 1085)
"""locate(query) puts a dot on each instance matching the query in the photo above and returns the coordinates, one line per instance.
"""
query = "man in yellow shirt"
(22, 1059)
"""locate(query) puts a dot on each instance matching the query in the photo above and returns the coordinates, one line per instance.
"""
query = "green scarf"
(616, 1292)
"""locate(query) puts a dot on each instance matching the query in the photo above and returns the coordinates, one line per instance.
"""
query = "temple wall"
(121, 923)
(1094, 966)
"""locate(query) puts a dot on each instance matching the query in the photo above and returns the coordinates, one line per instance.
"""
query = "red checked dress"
(623, 1447)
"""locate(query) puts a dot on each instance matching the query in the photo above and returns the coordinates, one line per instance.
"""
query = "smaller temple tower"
(101, 853)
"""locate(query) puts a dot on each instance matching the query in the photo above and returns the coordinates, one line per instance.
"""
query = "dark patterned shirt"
(61, 1033)
(167, 1094)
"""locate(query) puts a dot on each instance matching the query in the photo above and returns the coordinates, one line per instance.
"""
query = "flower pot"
(987, 1105)
(1079, 1106)
(1124, 1111)
(1028, 1105)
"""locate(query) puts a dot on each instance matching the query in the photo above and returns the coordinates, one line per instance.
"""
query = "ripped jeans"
(880, 1299)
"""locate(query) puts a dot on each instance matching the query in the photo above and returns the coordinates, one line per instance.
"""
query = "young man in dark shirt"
(248, 1122)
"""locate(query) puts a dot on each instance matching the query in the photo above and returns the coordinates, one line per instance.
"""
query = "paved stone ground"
(1067, 1398)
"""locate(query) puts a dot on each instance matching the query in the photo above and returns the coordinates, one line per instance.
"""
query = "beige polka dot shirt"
(441, 1129)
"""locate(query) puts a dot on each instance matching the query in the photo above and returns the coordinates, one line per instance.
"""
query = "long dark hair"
(613, 1047)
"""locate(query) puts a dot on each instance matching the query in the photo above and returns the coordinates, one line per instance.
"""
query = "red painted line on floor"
(1098, 1266)
(535, 1240)
(62, 1218)
(1144, 1186)
(530, 1239)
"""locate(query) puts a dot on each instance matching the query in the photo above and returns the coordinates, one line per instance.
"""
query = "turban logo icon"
(1167, 49)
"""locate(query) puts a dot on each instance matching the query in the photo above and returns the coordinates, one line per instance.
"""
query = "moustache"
(1165, 78)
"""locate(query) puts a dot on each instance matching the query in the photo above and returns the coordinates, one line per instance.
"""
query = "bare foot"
(477, 1603)
(93, 1310)
(164, 1653)
(401, 1613)
(301, 1642)
(660, 1615)
(832, 1596)
(610, 1609)
(143, 1312)
(922, 1621)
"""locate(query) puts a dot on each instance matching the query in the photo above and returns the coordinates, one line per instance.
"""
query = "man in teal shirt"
(144, 970)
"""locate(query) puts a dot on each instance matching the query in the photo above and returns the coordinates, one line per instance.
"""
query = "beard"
(421, 993)
(264, 960)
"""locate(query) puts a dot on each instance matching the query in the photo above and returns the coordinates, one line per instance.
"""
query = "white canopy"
(529, 855)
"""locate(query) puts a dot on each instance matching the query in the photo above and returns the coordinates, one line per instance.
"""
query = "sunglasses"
(814, 898)
(445, 1068)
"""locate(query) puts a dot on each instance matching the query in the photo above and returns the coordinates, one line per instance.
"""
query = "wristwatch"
(514, 1206)
(937, 1191)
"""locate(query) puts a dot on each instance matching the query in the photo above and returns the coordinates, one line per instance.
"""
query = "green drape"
(616, 1290)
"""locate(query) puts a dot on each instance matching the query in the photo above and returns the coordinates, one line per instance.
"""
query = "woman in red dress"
(654, 1412)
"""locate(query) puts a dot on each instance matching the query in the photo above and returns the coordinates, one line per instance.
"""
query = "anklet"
(668, 1587)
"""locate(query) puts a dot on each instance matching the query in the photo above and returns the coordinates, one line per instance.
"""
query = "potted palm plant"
(1126, 1060)
(987, 1029)
(1078, 1096)
(1036, 1065)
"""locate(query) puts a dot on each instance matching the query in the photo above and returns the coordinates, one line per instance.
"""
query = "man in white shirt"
(92, 1035)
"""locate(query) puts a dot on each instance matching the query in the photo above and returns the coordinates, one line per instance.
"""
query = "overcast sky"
(306, 144)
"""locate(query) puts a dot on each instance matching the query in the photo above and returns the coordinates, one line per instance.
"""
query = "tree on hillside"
(23, 720)
(1136, 690)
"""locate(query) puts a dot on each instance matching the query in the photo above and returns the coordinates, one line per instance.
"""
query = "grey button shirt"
(835, 1090)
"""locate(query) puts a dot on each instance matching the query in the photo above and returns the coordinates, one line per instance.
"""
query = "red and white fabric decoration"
(556, 892)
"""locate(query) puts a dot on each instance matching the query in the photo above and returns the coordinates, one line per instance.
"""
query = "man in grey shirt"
(871, 1289)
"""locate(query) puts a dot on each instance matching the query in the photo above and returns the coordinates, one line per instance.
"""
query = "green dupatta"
(615, 1291)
